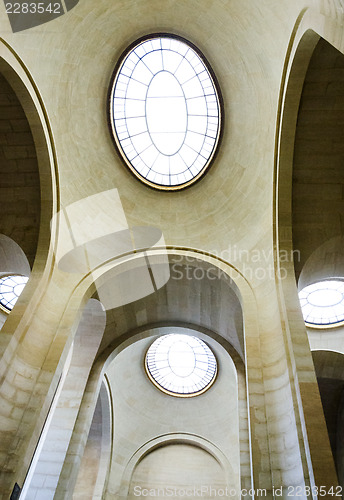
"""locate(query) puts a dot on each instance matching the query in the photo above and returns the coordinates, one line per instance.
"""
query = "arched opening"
(310, 206)
(19, 188)
(145, 413)
(317, 203)
(198, 297)
(196, 294)
(318, 175)
(13, 263)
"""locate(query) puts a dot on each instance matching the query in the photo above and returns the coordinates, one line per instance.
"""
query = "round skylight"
(181, 365)
(10, 289)
(322, 303)
(165, 112)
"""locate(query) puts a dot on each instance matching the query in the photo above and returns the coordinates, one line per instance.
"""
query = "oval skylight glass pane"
(165, 112)
(181, 365)
(10, 289)
(322, 303)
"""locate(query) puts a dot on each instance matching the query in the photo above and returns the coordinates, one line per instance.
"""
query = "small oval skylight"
(322, 303)
(10, 289)
(165, 112)
(181, 365)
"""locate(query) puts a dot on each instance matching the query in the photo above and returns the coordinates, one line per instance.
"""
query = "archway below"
(176, 469)
(146, 414)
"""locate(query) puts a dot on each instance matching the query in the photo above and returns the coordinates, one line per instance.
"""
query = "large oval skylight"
(165, 112)
(10, 289)
(181, 365)
(322, 303)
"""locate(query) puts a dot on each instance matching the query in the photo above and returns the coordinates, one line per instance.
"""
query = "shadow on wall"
(19, 175)
(178, 467)
(318, 174)
(329, 367)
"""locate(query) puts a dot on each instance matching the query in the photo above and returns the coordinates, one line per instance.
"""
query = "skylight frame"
(219, 116)
(323, 322)
(204, 383)
(4, 304)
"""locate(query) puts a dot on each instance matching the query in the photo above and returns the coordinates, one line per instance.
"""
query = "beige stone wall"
(49, 458)
(143, 414)
(94, 466)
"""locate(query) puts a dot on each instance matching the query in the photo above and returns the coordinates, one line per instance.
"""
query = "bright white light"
(322, 303)
(181, 365)
(10, 289)
(165, 112)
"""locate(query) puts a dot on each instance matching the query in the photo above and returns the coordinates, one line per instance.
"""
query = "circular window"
(322, 303)
(10, 289)
(181, 365)
(165, 112)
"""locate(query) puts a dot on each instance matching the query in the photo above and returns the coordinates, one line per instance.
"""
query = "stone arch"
(327, 261)
(155, 412)
(13, 259)
(46, 465)
(29, 161)
(107, 352)
(313, 28)
(164, 441)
